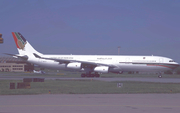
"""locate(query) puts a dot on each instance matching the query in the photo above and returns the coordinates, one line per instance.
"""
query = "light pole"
(119, 49)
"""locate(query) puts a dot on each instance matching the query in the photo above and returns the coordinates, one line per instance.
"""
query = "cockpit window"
(171, 61)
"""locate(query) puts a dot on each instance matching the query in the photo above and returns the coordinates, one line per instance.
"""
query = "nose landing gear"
(160, 75)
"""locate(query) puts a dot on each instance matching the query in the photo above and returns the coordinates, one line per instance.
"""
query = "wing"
(84, 63)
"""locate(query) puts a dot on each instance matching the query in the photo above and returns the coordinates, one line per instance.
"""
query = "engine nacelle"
(74, 65)
(116, 70)
(101, 69)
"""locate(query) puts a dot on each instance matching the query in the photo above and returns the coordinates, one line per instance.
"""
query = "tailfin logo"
(21, 41)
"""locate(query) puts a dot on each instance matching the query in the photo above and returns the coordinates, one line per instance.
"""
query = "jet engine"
(74, 65)
(116, 70)
(101, 69)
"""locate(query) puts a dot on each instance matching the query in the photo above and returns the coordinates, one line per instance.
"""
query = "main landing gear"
(90, 75)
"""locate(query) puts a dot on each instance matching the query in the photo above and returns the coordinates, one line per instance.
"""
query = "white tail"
(24, 48)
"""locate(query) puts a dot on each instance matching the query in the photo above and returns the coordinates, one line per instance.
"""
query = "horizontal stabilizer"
(25, 57)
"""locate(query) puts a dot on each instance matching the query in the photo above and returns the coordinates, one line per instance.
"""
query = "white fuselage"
(122, 63)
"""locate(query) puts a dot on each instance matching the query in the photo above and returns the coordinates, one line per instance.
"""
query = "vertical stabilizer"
(24, 48)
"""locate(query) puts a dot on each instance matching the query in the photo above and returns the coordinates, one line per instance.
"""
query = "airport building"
(11, 64)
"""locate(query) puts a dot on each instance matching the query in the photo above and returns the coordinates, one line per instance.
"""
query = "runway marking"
(152, 106)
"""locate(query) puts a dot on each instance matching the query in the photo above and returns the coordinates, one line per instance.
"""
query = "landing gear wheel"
(89, 75)
(92, 75)
(83, 75)
(97, 75)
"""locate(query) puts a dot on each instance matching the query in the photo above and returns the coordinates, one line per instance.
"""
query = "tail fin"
(23, 47)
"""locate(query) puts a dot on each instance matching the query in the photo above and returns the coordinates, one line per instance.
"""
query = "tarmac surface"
(159, 80)
(91, 103)
(88, 103)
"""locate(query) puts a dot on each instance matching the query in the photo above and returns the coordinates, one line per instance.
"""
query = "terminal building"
(11, 64)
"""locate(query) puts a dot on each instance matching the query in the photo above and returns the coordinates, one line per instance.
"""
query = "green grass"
(88, 87)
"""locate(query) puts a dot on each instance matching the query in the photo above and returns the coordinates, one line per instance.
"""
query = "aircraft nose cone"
(177, 65)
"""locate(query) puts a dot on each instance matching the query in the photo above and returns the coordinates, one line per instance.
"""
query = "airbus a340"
(92, 65)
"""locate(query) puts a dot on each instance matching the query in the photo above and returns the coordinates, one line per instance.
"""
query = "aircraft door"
(127, 60)
(160, 60)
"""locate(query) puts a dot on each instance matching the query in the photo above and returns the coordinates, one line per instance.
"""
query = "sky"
(93, 27)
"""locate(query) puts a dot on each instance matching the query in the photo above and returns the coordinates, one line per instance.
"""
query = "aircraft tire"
(97, 75)
(83, 75)
(88, 75)
(92, 75)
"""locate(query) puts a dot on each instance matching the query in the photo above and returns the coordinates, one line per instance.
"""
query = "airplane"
(92, 65)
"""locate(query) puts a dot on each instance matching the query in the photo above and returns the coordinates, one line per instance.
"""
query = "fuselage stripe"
(161, 66)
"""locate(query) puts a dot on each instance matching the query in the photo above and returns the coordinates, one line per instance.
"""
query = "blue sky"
(93, 27)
